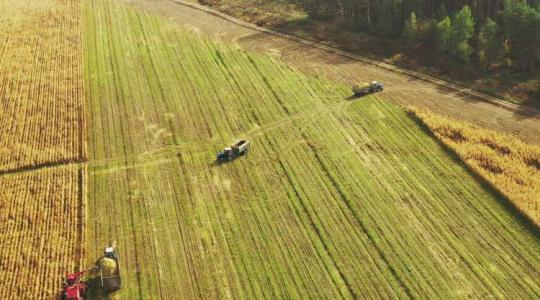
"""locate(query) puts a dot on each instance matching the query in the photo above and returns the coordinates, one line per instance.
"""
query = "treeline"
(503, 33)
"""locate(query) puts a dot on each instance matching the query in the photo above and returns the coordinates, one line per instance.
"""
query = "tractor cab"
(377, 86)
(71, 279)
(225, 155)
(110, 253)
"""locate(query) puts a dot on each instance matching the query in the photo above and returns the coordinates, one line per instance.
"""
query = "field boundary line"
(43, 166)
(455, 87)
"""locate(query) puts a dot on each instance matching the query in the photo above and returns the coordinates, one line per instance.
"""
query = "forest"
(487, 33)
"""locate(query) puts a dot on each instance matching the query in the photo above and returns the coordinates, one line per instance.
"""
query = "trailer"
(360, 90)
(110, 281)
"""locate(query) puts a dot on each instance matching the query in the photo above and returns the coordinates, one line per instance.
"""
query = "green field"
(337, 198)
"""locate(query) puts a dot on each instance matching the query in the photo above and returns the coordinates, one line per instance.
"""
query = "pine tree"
(462, 31)
(444, 30)
(410, 31)
(521, 23)
(490, 45)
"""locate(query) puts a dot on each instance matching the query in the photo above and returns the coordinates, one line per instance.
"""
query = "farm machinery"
(109, 270)
(229, 153)
(75, 287)
(361, 90)
(77, 284)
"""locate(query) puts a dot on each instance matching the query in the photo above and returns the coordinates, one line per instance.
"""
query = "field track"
(338, 198)
(434, 94)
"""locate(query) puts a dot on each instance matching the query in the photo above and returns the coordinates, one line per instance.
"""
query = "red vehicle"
(74, 287)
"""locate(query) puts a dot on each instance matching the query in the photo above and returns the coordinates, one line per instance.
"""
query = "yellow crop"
(510, 165)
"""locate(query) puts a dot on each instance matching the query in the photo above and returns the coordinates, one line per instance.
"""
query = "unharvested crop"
(40, 232)
(337, 198)
(512, 166)
(41, 92)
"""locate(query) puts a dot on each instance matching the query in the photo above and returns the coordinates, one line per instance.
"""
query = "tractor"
(229, 153)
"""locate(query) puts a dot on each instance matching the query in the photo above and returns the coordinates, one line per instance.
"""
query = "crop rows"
(41, 232)
(337, 199)
(41, 83)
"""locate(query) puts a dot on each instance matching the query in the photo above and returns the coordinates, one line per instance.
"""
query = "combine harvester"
(228, 154)
(361, 90)
(76, 285)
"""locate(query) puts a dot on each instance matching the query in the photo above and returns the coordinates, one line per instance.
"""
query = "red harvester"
(74, 287)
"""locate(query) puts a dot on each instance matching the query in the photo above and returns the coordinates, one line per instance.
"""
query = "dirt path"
(404, 88)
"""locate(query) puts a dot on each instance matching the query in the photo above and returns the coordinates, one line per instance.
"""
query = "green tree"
(521, 24)
(490, 45)
(410, 31)
(462, 31)
(444, 30)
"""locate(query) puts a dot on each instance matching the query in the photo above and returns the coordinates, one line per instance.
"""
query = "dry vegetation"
(40, 232)
(41, 110)
(510, 165)
(41, 82)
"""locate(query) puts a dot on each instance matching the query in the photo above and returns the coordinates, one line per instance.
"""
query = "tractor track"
(406, 87)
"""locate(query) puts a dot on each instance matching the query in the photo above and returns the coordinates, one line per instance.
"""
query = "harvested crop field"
(41, 231)
(41, 83)
(337, 198)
